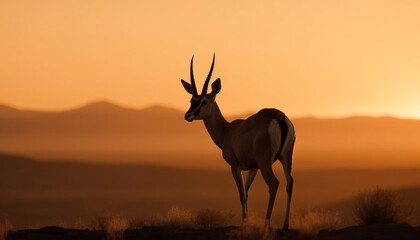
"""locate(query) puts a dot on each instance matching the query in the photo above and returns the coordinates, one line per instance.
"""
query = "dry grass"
(5, 227)
(183, 218)
(114, 226)
(380, 206)
(138, 223)
(253, 229)
(178, 217)
(80, 224)
(311, 222)
(207, 218)
(175, 218)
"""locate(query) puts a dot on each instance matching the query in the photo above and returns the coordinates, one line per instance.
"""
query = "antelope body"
(251, 144)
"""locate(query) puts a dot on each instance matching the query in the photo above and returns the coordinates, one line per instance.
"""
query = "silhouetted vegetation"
(114, 226)
(253, 229)
(207, 219)
(379, 206)
(311, 222)
(178, 217)
(184, 218)
(5, 227)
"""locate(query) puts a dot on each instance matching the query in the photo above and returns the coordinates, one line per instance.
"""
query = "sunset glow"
(323, 58)
(317, 107)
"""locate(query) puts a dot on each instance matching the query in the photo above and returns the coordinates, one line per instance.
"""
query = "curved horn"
(206, 83)
(192, 77)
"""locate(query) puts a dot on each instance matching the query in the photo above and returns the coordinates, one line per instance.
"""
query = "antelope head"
(201, 105)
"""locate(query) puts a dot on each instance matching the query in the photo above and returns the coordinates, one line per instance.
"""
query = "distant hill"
(105, 132)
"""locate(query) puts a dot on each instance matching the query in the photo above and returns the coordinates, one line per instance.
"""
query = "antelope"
(247, 145)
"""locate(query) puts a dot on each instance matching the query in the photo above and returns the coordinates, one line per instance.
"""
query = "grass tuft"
(253, 229)
(311, 222)
(114, 226)
(5, 227)
(178, 217)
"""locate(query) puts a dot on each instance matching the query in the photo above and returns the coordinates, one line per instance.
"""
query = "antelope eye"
(204, 102)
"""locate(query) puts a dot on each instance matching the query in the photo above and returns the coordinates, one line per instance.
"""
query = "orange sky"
(323, 58)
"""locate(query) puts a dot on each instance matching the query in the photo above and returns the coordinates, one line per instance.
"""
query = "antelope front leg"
(236, 173)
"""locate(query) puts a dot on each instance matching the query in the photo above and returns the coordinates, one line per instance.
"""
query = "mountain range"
(107, 133)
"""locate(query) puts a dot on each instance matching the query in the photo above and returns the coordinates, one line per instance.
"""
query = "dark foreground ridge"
(371, 232)
(146, 233)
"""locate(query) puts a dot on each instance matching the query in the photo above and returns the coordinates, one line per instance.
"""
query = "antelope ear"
(215, 87)
(187, 87)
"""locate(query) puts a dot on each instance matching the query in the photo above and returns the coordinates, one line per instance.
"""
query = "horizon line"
(155, 105)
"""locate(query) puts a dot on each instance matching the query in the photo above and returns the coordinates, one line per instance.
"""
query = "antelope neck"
(216, 125)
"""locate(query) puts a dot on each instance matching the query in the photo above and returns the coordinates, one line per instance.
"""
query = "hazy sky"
(322, 58)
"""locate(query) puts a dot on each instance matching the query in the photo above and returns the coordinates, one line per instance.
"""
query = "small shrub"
(5, 227)
(114, 226)
(206, 219)
(311, 222)
(379, 206)
(253, 229)
(178, 218)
